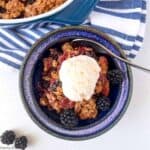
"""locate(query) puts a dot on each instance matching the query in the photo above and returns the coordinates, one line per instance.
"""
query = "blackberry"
(103, 103)
(2, 10)
(68, 118)
(21, 15)
(90, 54)
(54, 54)
(45, 84)
(21, 142)
(59, 83)
(54, 85)
(28, 1)
(8, 137)
(115, 76)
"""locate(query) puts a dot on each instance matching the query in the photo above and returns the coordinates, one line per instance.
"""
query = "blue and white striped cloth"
(124, 20)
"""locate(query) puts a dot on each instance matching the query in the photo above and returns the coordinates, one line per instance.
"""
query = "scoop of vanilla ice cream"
(79, 76)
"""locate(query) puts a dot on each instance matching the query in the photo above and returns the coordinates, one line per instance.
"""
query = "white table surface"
(132, 132)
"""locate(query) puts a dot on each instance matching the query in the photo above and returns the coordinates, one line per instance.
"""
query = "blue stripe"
(116, 33)
(4, 46)
(87, 23)
(36, 33)
(40, 24)
(23, 26)
(15, 35)
(15, 55)
(125, 47)
(45, 30)
(26, 34)
(33, 24)
(143, 4)
(39, 32)
(27, 25)
(122, 15)
(131, 55)
(49, 28)
(135, 47)
(123, 4)
(44, 24)
(143, 18)
(124, 36)
(10, 63)
(139, 38)
(55, 26)
(12, 42)
(129, 48)
(21, 38)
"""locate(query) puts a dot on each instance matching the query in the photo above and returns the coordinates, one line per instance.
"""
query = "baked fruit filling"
(52, 88)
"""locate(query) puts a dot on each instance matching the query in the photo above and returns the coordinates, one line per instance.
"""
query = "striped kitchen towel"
(124, 20)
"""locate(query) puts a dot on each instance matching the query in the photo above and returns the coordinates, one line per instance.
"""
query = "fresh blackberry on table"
(68, 118)
(8, 137)
(115, 76)
(103, 103)
(21, 142)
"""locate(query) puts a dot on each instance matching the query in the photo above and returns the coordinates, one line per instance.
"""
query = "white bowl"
(38, 17)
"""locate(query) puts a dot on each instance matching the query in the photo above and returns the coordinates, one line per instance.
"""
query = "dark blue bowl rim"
(128, 72)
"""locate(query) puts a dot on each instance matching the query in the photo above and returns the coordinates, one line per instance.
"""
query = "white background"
(132, 132)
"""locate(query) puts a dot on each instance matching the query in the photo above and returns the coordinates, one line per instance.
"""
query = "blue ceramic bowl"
(49, 121)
